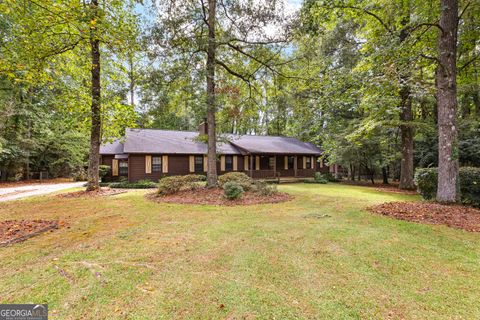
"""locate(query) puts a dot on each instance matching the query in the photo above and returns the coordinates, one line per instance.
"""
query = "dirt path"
(24, 191)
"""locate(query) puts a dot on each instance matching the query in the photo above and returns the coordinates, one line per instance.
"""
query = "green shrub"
(329, 177)
(320, 178)
(232, 190)
(103, 170)
(426, 180)
(174, 184)
(238, 177)
(195, 178)
(263, 188)
(141, 184)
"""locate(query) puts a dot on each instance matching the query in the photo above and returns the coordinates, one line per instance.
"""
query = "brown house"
(152, 154)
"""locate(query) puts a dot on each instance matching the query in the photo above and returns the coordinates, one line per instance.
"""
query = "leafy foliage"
(141, 184)
(232, 190)
(174, 184)
(426, 180)
(263, 188)
(239, 177)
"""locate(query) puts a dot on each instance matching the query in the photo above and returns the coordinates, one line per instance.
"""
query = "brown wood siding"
(107, 161)
(179, 165)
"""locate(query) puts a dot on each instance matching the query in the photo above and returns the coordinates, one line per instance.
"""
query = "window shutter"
(245, 163)
(114, 167)
(304, 162)
(321, 163)
(148, 164)
(222, 163)
(257, 162)
(285, 162)
(235, 163)
(205, 163)
(312, 162)
(165, 164)
(192, 163)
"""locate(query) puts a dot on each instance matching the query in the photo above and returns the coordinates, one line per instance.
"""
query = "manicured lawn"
(320, 256)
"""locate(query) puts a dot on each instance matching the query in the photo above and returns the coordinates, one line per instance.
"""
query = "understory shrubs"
(263, 188)
(103, 170)
(174, 184)
(232, 190)
(239, 177)
(141, 184)
(317, 178)
(426, 180)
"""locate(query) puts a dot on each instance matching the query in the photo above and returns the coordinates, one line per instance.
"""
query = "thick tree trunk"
(95, 131)
(406, 166)
(406, 118)
(211, 103)
(385, 175)
(447, 190)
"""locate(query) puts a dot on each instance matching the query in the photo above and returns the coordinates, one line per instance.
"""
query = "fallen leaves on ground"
(215, 196)
(455, 216)
(102, 192)
(12, 231)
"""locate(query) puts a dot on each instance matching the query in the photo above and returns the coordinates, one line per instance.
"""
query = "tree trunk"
(211, 103)
(131, 75)
(385, 175)
(352, 172)
(95, 131)
(406, 117)
(447, 190)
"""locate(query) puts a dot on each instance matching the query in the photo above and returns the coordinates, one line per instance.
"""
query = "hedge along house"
(152, 154)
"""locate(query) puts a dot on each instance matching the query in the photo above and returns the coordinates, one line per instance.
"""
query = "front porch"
(276, 167)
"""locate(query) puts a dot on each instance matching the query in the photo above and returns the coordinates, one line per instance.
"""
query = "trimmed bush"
(232, 190)
(174, 184)
(103, 170)
(264, 189)
(141, 184)
(238, 177)
(426, 181)
(329, 177)
(427, 178)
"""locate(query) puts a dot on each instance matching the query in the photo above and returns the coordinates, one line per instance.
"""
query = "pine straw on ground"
(102, 192)
(13, 231)
(215, 196)
(454, 216)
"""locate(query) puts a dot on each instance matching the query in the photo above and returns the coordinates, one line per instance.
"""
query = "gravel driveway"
(25, 191)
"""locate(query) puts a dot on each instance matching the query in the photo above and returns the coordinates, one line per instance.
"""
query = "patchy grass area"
(319, 256)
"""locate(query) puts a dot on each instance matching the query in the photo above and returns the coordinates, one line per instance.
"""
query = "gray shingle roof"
(274, 145)
(184, 142)
(115, 147)
(169, 141)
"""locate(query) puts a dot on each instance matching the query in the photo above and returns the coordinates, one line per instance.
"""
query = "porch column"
(275, 166)
(251, 165)
(295, 166)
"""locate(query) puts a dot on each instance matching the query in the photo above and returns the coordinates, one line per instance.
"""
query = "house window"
(271, 163)
(309, 163)
(123, 168)
(291, 162)
(228, 163)
(198, 163)
(156, 164)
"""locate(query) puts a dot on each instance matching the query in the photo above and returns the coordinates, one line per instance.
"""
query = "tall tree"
(448, 190)
(96, 127)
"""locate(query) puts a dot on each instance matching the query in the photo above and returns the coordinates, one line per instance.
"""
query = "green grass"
(130, 258)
